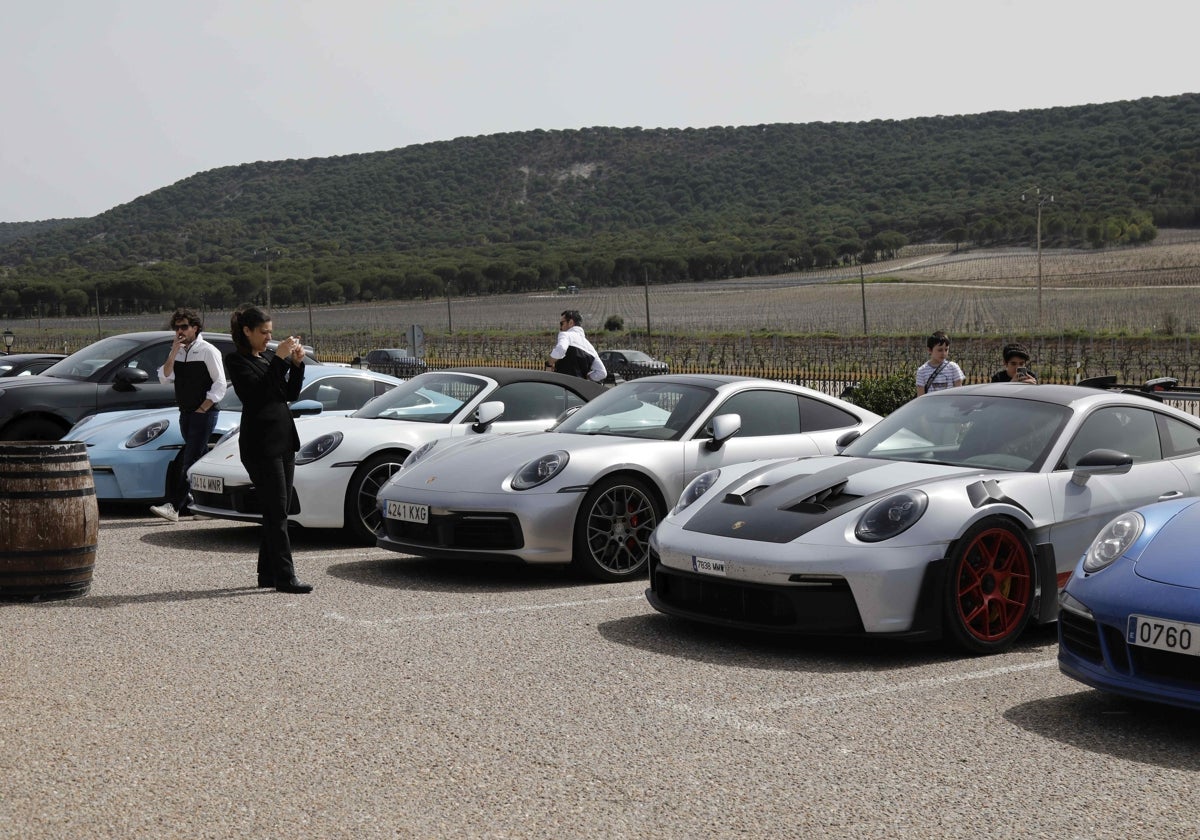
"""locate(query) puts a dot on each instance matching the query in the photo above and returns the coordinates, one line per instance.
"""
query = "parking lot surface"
(415, 698)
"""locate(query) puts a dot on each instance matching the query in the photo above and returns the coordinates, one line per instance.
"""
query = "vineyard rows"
(802, 325)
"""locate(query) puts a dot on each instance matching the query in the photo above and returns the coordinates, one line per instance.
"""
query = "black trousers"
(196, 429)
(272, 479)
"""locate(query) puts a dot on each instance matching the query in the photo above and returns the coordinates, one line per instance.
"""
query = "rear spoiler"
(1160, 389)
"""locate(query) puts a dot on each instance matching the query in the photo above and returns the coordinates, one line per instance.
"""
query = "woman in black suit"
(266, 382)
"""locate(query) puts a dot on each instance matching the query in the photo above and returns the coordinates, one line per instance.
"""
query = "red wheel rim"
(994, 585)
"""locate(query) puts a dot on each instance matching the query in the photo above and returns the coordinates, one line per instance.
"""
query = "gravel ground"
(411, 698)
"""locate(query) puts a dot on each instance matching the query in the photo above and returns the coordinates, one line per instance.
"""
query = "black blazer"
(265, 385)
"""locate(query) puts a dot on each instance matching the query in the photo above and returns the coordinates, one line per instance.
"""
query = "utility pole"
(862, 284)
(1039, 199)
(646, 287)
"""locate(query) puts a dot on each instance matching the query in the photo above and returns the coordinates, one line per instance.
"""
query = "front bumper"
(487, 526)
(1092, 649)
(823, 605)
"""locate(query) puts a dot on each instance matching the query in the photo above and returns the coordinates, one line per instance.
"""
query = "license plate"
(208, 483)
(708, 567)
(1174, 636)
(407, 512)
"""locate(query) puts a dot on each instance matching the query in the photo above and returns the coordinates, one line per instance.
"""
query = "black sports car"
(27, 364)
(118, 372)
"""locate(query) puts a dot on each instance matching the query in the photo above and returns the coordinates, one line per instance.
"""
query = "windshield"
(637, 356)
(83, 363)
(660, 410)
(428, 398)
(968, 431)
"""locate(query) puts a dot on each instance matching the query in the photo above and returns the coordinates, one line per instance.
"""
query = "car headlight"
(540, 470)
(891, 516)
(697, 488)
(318, 448)
(1113, 541)
(226, 438)
(147, 433)
(419, 453)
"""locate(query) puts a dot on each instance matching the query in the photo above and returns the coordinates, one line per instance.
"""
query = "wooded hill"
(604, 206)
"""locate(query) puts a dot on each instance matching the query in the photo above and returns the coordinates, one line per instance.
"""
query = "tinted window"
(816, 416)
(764, 413)
(149, 359)
(340, 393)
(533, 400)
(1130, 430)
(1179, 438)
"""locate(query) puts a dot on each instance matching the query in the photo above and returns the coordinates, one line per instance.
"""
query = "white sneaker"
(166, 511)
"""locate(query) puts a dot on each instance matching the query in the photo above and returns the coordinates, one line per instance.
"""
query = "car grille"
(1080, 636)
(829, 608)
(474, 531)
(240, 500)
(1180, 668)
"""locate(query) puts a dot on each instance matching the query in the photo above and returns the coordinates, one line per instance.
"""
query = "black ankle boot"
(294, 586)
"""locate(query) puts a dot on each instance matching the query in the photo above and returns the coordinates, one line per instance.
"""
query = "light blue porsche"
(135, 453)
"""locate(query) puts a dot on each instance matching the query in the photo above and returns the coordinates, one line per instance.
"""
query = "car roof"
(1071, 396)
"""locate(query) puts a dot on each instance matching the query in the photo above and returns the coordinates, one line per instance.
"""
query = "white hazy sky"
(107, 100)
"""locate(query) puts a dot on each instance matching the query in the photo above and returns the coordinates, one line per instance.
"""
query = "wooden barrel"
(48, 520)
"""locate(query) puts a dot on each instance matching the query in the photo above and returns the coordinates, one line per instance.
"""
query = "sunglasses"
(179, 327)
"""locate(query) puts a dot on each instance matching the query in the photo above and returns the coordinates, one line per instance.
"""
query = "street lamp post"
(1039, 199)
(9, 338)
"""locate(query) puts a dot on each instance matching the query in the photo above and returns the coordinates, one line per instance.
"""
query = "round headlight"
(891, 516)
(318, 448)
(1113, 541)
(540, 470)
(147, 433)
(697, 488)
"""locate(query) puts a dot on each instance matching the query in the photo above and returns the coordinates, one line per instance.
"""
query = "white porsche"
(343, 461)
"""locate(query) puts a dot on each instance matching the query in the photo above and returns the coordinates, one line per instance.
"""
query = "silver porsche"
(591, 490)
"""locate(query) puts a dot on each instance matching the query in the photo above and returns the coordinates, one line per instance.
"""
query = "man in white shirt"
(573, 354)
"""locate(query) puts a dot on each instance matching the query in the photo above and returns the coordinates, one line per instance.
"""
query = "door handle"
(1174, 494)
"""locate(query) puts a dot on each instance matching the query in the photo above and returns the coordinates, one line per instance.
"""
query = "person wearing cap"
(1016, 366)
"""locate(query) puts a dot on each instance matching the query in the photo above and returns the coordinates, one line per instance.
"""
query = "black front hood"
(782, 507)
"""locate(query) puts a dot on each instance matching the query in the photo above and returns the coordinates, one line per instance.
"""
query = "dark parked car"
(118, 372)
(395, 361)
(631, 364)
(27, 364)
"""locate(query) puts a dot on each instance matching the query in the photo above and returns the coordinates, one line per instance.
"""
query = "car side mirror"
(486, 415)
(724, 427)
(305, 408)
(848, 438)
(128, 378)
(1100, 462)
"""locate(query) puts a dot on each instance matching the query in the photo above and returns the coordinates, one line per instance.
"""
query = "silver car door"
(1083, 507)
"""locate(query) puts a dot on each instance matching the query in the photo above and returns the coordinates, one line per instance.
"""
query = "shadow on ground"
(669, 636)
(432, 575)
(1133, 730)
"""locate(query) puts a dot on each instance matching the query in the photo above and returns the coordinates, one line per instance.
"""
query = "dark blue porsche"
(1129, 621)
